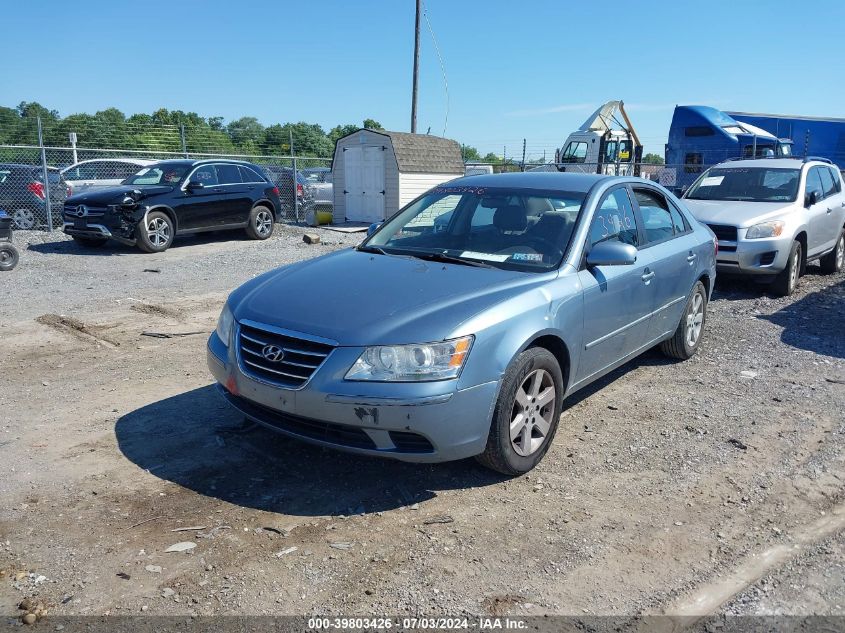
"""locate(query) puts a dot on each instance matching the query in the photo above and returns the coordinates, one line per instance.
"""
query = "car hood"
(359, 299)
(114, 195)
(735, 213)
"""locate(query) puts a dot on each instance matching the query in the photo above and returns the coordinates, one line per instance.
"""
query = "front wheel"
(260, 225)
(526, 415)
(687, 338)
(786, 282)
(155, 235)
(834, 261)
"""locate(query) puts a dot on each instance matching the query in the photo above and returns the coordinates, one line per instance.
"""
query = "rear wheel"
(260, 225)
(834, 261)
(8, 257)
(156, 234)
(90, 242)
(526, 415)
(785, 283)
(24, 219)
(687, 338)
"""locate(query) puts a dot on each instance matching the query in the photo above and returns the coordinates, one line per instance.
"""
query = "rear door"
(834, 204)
(201, 208)
(237, 201)
(672, 246)
(618, 300)
(817, 214)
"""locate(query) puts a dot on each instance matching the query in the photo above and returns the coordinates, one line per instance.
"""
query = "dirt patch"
(501, 605)
(155, 310)
(77, 328)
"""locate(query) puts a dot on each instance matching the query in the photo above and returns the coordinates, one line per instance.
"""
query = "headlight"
(224, 325)
(410, 363)
(765, 229)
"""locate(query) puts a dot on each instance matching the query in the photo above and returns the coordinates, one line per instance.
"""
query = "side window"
(693, 163)
(678, 222)
(837, 179)
(249, 175)
(827, 182)
(614, 220)
(124, 170)
(575, 152)
(657, 219)
(228, 174)
(814, 183)
(206, 174)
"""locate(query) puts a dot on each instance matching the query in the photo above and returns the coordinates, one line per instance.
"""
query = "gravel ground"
(663, 479)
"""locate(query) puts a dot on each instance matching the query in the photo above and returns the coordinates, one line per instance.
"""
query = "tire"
(834, 261)
(687, 338)
(157, 235)
(90, 242)
(786, 282)
(24, 219)
(261, 222)
(530, 376)
(9, 257)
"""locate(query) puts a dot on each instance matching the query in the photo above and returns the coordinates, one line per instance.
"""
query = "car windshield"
(751, 184)
(506, 228)
(161, 174)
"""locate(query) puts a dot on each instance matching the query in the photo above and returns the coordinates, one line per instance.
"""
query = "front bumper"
(761, 257)
(415, 422)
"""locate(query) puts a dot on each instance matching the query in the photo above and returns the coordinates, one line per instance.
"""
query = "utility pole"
(416, 70)
(523, 154)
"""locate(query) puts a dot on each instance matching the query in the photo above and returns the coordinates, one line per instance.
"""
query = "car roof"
(535, 180)
(189, 162)
(137, 161)
(773, 163)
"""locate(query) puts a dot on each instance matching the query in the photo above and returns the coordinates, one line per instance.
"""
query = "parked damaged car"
(436, 341)
(174, 197)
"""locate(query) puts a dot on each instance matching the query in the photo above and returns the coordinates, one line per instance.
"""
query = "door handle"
(691, 257)
(217, 189)
(647, 277)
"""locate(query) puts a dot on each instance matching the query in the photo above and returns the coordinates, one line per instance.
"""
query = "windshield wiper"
(443, 257)
(367, 248)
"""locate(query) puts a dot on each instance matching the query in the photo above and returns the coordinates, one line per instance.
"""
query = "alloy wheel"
(158, 231)
(531, 415)
(263, 223)
(794, 268)
(695, 319)
(24, 219)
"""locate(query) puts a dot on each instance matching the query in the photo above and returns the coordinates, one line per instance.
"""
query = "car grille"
(90, 212)
(300, 360)
(724, 233)
(339, 434)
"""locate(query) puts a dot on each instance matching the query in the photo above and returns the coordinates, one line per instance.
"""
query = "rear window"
(4, 175)
(53, 175)
(228, 174)
(250, 175)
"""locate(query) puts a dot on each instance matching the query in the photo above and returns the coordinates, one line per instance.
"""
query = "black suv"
(173, 197)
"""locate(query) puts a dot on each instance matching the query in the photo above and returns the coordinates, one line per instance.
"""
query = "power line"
(442, 65)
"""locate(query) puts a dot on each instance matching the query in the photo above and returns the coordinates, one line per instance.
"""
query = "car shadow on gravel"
(196, 440)
(815, 322)
(112, 248)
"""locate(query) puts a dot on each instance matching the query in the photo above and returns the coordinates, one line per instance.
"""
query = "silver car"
(99, 173)
(432, 342)
(772, 217)
(320, 181)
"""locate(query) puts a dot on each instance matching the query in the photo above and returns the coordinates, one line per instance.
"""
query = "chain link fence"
(37, 177)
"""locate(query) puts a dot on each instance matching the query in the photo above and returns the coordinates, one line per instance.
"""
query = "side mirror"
(811, 198)
(612, 254)
(194, 185)
(373, 228)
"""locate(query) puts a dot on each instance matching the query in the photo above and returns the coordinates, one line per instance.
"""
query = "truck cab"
(604, 144)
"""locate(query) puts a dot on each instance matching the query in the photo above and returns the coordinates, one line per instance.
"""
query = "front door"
(200, 208)
(618, 300)
(364, 190)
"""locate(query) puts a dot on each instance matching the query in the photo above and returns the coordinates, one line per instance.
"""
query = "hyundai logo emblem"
(81, 211)
(273, 353)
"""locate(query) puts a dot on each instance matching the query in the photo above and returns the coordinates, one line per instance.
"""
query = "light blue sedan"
(438, 340)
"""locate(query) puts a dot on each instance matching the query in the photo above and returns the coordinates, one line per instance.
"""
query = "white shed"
(375, 173)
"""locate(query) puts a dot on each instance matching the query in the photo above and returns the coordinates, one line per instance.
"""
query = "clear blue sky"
(516, 69)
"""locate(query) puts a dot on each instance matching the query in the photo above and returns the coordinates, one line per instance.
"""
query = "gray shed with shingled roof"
(375, 172)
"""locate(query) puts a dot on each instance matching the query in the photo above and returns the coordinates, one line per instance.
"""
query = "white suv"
(99, 173)
(772, 216)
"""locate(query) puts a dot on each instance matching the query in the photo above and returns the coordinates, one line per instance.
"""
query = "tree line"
(162, 131)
